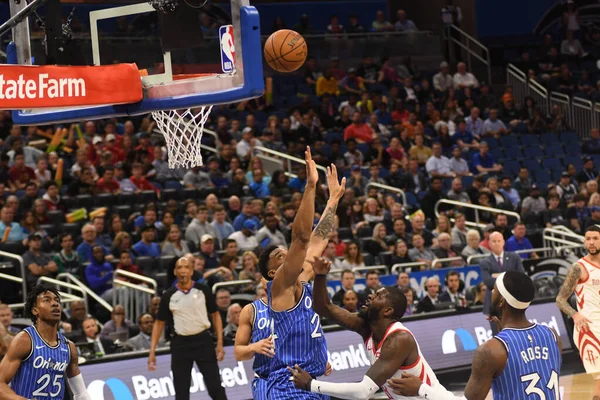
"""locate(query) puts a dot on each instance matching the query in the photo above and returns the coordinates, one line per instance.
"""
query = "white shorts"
(589, 348)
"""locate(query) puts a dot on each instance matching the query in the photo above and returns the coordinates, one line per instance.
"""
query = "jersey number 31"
(534, 379)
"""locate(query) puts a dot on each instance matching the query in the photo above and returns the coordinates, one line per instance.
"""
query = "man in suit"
(452, 293)
(348, 280)
(432, 290)
(142, 340)
(499, 261)
(373, 284)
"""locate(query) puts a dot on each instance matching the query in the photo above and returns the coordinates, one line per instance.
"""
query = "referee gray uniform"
(188, 314)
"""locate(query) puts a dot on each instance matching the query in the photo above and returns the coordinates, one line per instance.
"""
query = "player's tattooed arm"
(488, 361)
(325, 225)
(567, 288)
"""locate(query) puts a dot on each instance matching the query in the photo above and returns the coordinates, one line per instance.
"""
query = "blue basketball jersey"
(533, 365)
(299, 339)
(261, 329)
(42, 373)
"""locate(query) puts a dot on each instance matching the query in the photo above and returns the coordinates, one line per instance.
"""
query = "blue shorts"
(281, 391)
(259, 388)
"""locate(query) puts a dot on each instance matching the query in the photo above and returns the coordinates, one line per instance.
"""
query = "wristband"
(422, 389)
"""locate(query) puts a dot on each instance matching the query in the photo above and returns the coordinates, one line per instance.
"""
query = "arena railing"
(561, 236)
(390, 189)
(473, 257)
(454, 36)
(396, 268)
(136, 298)
(67, 296)
(66, 277)
(240, 282)
(19, 259)
(563, 102)
(383, 268)
(477, 208)
(582, 116)
(289, 159)
(546, 251)
(517, 79)
(540, 96)
(447, 259)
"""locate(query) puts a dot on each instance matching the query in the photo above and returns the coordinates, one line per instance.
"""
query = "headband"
(510, 299)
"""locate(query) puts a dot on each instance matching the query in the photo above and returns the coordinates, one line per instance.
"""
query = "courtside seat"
(127, 198)
(105, 200)
(168, 194)
(56, 216)
(147, 196)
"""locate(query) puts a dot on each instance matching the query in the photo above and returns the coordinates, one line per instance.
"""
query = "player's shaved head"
(397, 301)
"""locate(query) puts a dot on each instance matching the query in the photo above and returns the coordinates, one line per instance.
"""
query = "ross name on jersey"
(40, 363)
(534, 353)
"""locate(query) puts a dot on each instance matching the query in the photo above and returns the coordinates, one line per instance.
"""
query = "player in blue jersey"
(40, 358)
(298, 337)
(253, 339)
(521, 362)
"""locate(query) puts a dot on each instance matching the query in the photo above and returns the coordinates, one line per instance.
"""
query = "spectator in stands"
(258, 187)
(126, 264)
(298, 183)
(433, 195)
(459, 232)
(353, 257)
(464, 79)
(494, 126)
(400, 254)
(142, 340)
(14, 229)
(352, 84)
(404, 24)
(420, 152)
(480, 290)
(83, 184)
(444, 250)
(51, 198)
(372, 284)
(452, 294)
(125, 184)
(578, 213)
(199, 226)
(438, 165)
(334, 27)
(101, 237)
(99, 274)
(399, 228)
(330, 253)
(456, 192)
(244, 216)
(91, 334)
(509, 192)
(371, 211)
(36, 262)
(222, 227)
(419, 253)
(347, 281)
(6, 316)
(410, 300)
(432, 290)
(473, 245)
(571, 48)
(359, 131)
(81, 163)
(381, 24)
(377, 244)
(554, 215)
(122, 242)
(77, 315)
(354, 25)
(587, 173)
(594, 218)
(223, 300)
(518, 241)
(474, 123)
(442, 81)
(233, 322)
(501, 225)
(67, 260)
(146, 247)
(483, 162)
(350, 301)
(395, 176)
(42, 174)
(270, 234)
(534, 203)
(246, 239)
(20, 174)
(279, 184)
(327, 84)
(357, 181)
(442, 225)
(249, 266)
(592, 145)
(196, 178)
(90, 238)
(31, 195)
(117, 323)
(173, 245)
(414, 180)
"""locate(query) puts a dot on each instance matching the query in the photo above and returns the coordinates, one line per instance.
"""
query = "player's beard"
(369, 314)
(495, 311)
(595, 252)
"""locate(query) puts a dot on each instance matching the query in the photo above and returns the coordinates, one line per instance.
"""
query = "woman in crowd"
(479, 294)
(256, 163)
(496, 198)
(353, 257)
(279, 184)
(485, 217)
(249, 269)
(173, 244)
(168, 219)
(377, 243)
(42, 173)
(31, 225)
(122, 241)
(239, 185)
(340, 246)
(40, 212)
(371, 211)
(442, 226)
(400, 254)
(473, 245)
(115, 225)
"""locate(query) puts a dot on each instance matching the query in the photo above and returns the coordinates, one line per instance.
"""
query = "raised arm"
(243, 349)
(574, 275)
(17, 351)
(320, 236)
(325, 308)
(288, 274)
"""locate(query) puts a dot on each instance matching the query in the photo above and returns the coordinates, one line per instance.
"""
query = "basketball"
(285, 50)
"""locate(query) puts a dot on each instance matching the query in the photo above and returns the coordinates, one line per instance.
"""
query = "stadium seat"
(491, 141)
(385, 258)
(166, 263)
(124, 211)
(168, 194)
(51, 229)
(549, 138)
(127, 198)
(513, 153)
(365, 232)
(542, 177)
(411, 199)
(190, 193)
(512, 167)
(173, 185)
(576, 161)
(554, 150)
(85, 201)
(530, 140)
(13, 248)
(105, 200)
(363, 243)
(368, 259)
(345, 233)
(147, 196)
(569, 137)
(572, 148)
(509, 141)
(56, 216)
(533, 151)
(531, 165)
(551, 163)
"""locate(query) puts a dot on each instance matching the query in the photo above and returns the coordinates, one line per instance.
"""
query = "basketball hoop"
(183, 130)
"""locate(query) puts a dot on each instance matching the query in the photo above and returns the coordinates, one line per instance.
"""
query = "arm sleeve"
(351, 391)
(437, 393)
(211, 305)
(78, 388)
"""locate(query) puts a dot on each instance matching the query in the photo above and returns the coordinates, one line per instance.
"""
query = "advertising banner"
(446, 342)
(471, 276)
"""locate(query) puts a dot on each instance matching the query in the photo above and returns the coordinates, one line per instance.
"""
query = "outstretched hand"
(312, 175)
(407, 385)
(321, 265)
(300, 377)
(336, 189)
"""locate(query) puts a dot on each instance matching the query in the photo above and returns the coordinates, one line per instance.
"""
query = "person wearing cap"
(112, 147)
(199, 226)
(352, 83)
(518, 241)
(146, 247)
(594, 218)
(207, 252)
(565, 189)
(483, 162)
(246, 239)
(534, 203)
(357, 181)
(587, 173)
(443, 80)
(36, 262)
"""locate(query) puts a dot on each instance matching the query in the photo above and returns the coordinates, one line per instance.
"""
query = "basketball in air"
(285, 50)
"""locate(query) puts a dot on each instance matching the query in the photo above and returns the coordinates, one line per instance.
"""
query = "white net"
(183, 133)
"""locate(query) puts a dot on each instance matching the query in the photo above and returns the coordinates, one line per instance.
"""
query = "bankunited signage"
(451, 346)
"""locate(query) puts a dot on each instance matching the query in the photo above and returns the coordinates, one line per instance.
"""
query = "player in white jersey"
(583, 278)
(392, 348)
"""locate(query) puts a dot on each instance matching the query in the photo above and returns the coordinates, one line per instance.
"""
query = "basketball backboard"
(195, 56)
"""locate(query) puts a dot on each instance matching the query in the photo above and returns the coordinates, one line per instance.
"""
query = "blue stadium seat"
(497, 153)
(549, 138)
(491, 141)
(533, 151)
(569, 137)
(467, 181)
(511, 167)
(542, 178)
(530, 140)
(509, 141)
(331, 136)
(572, 148)
(411, 199)
(554, 150)
(532, 165)
(551, 163)
(576, 161)
(513, 153)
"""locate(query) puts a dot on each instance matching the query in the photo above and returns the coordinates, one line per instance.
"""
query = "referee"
(187, 306)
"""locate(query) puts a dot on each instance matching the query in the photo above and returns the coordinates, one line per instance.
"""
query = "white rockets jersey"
(587, 294)
(420, 368)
